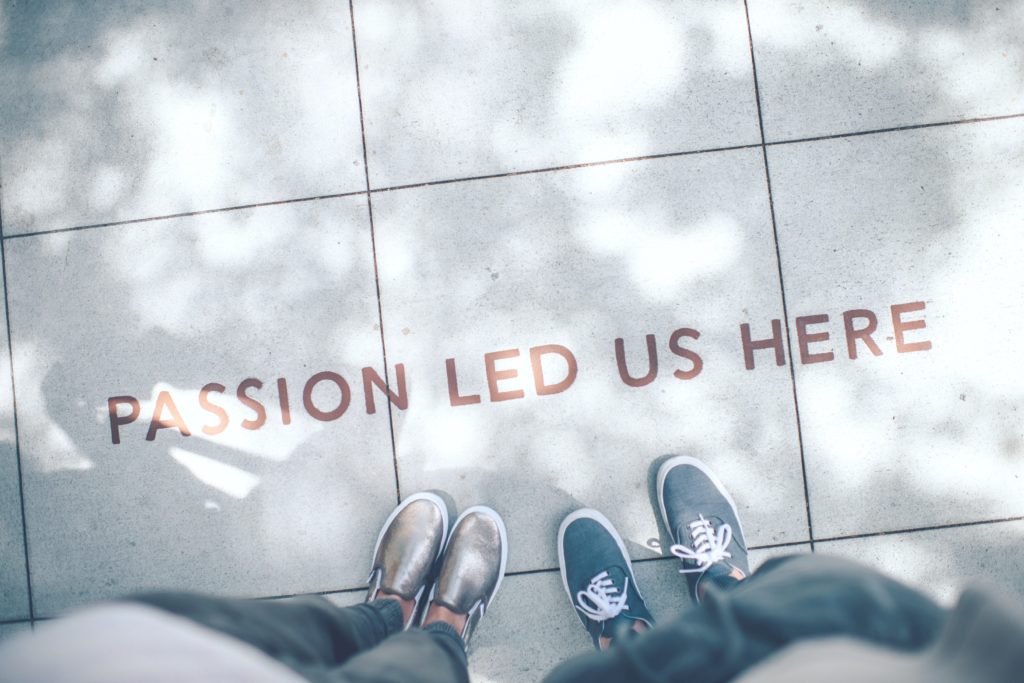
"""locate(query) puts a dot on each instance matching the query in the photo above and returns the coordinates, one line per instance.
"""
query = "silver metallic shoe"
(407, 549)
(473, 566)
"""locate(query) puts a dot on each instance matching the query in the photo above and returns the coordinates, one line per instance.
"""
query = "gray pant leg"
(435, 654)
(789, 599)
(329, 644)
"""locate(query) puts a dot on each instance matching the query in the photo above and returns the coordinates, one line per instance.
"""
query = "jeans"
(739, 625)
(328, 644)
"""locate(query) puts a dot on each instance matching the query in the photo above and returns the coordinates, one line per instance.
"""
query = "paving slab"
(578, 259)
(115, 111)
(531, 627)
(11, 630)
(13, 579)
(451, 90)
(942, 562)
(267, 496)
(347, 598)
(927, 433)
(827, 67)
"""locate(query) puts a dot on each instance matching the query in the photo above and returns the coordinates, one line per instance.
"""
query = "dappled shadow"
(584, 257)
(902, 226)
(580, 259)
(132, 110)
(451, 90)
(840, 67)
(173, 306)
(92, 133)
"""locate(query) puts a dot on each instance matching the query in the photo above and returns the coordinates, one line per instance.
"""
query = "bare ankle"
(605, 642)
(736, 574)
(437, 613)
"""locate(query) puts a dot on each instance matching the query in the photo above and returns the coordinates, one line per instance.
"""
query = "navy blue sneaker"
(701, 518)
(598, 577)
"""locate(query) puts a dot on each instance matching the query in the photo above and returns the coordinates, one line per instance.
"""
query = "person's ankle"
(438, 613)
(726, 581)
(605, 642)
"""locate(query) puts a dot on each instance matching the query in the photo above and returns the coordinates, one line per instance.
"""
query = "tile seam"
(921, 529)
(694, 152)
(14, 412)
(541, 570)
(15, 622)
(565, 167)
(373, 247)
(644, 560)
(511, 174)
(895, 129)
(184, 214)
(794, 544)
(782, 283)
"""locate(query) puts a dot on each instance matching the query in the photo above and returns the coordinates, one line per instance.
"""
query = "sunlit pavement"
(563, 232)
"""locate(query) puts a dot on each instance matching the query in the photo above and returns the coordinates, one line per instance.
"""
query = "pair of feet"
(452, 577)
(437, 574)
(700, 517)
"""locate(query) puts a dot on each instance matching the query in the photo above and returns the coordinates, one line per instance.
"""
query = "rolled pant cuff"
(446, 633)
(390, 613)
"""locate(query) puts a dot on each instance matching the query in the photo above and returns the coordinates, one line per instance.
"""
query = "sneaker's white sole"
(589, 513)
(502, 533)
(671, 464)
(433, 498)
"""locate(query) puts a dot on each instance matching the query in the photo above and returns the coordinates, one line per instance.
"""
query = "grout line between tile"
(782, 284)
(911, 530)
(509, 174)
(14, 410)
(527, 572)
(769, 546)
(373, 245)
(895, 129)
(285, 596)
(709, 150)
(567, 167)
(185, 214)
(663, 558)
(794, 544)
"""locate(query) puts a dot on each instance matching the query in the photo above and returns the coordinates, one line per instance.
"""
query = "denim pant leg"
(789, 599)
(325, 643)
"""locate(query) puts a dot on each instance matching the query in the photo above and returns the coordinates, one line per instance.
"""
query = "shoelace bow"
(709, 546)
(599, 601)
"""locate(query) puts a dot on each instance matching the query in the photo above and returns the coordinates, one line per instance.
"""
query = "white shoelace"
(709, 546)
(599, 601)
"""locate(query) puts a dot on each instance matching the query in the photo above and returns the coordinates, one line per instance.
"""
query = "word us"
(859, 326)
